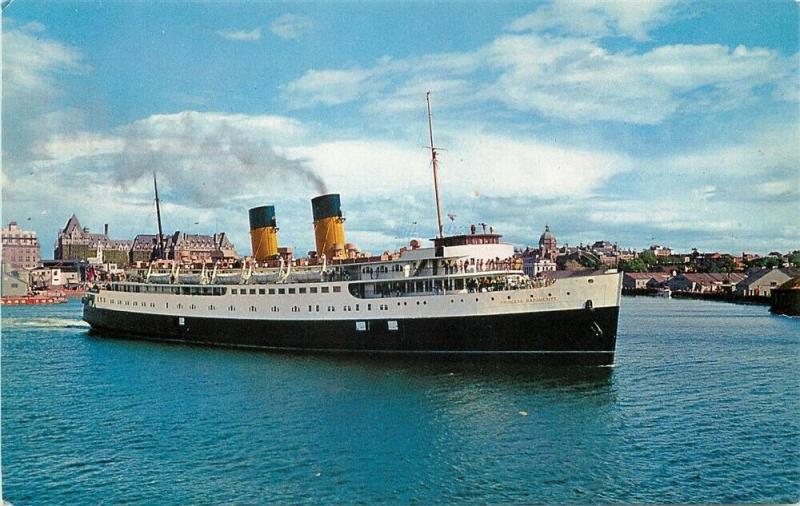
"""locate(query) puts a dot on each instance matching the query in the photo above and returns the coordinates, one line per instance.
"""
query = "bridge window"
(325, 289)
(337, 289)
(291, 290)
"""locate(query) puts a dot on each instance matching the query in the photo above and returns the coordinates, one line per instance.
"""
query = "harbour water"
(703, 406)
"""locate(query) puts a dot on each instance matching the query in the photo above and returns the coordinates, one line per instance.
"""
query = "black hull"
(563, 337)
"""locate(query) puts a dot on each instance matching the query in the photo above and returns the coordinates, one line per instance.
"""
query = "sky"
(659, 122)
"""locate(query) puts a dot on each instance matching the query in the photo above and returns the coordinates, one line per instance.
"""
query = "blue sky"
(638, 122)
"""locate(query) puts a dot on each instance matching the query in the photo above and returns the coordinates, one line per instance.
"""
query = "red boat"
(32, 299)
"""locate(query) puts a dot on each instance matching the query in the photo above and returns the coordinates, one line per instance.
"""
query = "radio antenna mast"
(158, 215)
(435, 164)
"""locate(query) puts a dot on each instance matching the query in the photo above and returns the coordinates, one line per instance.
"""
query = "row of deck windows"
(217, 290)
(254, 309)
(284, 291)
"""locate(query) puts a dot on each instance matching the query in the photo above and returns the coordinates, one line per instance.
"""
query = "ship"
(463, 296)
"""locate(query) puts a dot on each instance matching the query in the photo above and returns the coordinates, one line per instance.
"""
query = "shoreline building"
(15, 283)
(200, 248)
(21, 249)
(542, 260)
(184, 247)
(76, 243)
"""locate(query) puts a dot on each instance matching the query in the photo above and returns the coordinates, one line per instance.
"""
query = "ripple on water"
(701, 407)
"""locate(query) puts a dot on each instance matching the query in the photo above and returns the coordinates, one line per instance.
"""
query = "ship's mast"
(435, 164)
(158, 215)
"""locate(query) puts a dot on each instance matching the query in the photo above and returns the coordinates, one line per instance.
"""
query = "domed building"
(548, 246)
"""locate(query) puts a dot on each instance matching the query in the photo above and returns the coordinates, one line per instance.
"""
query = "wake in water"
(43, 323)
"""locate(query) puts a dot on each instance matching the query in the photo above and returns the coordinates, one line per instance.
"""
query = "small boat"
(190, 279)
(227, 279)
(264, 277)
(24, 300)
(160, 279)
(304, 276)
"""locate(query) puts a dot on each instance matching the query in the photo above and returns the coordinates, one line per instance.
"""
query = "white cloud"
(580, 81)
(63, 148)
(201, 156)
(366, 167)
(760, 153)
(328, 87)
(598, 18)
(32, 64)
(495, 165)
(567, 78)
(291, 26)
(492, 165)
(630, 212)
(241, 35)
(773, 189)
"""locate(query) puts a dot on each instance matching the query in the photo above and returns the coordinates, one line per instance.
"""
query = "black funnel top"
(263, 216)
(326, 206)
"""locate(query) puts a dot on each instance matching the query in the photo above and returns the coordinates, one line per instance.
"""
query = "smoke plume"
(209, 159)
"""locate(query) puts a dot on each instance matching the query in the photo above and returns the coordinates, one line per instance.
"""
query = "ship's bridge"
(474, 246)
